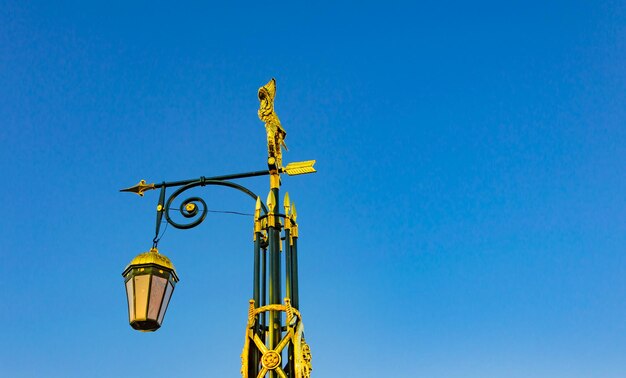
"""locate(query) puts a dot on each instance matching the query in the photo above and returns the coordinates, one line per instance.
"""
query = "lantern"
(150, 279)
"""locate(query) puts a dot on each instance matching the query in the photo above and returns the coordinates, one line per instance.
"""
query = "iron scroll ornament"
(190, 208)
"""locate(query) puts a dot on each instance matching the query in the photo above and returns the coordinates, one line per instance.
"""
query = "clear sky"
(468, 218)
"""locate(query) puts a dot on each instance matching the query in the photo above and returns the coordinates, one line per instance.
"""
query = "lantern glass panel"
(156, 296)
(166, 301)
(141, 296)
(130, 295)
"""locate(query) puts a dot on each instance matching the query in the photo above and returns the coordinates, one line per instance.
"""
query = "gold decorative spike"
(139, 188)
(294, 224)
(287, 205)
(275, 132)
(257, 208)
(299, 168)
(257, 214)
(271, 204)
(294, 213)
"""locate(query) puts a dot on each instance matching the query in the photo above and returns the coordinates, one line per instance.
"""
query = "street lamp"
(150, 279)
(274, 345)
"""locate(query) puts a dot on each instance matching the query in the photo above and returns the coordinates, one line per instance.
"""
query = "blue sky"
(467, 218)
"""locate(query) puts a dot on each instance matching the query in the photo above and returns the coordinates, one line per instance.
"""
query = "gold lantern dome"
(150, 279)
(152, 257)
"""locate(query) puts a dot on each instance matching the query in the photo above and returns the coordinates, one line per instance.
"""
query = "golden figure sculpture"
(275, 132)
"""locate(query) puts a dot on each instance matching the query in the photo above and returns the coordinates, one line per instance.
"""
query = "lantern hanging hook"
(159, 217)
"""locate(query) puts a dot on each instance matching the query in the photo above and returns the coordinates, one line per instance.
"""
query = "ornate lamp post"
(274, 345)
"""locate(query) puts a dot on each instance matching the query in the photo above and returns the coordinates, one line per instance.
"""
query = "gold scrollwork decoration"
(302, 354)
(269, 359)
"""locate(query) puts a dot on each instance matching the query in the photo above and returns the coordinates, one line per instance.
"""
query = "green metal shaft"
(294, 271)
(263, 290)
(275, 331)
(288, 278)
(253, 365)
(256, 295)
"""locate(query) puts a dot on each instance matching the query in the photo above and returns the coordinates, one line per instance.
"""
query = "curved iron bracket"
(195, 207)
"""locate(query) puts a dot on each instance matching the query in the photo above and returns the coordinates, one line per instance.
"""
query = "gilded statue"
(275, 132)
